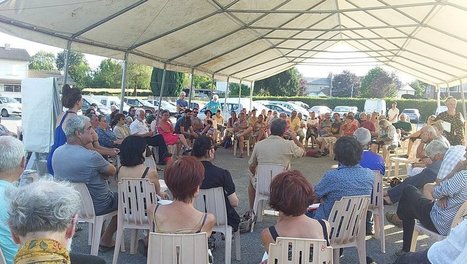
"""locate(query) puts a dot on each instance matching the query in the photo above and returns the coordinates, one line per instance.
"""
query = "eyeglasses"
(195, 112)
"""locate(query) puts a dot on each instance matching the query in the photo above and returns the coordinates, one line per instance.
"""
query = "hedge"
(425, 106)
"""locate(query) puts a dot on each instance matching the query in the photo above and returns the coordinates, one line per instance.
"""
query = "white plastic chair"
(134, 195)
(213, 201)
(247, 145)
(178, 248)
(460, 215)
(397, 161)
(289, 250)
(2, 258)
(347, 219)
(377, 208)
(87, 214)
(264, 175)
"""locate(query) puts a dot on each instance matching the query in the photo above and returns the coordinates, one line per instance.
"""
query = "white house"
(13, 69)
(405, 89)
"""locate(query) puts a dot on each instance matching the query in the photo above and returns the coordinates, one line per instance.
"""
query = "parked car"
(171, 107)
(279, 109)
(290, 106)
(413, 114)
(141, 103)
(341, 110)
(9, 106)
(89, 100)
(300, 103)
(111, 100)
(320, 109)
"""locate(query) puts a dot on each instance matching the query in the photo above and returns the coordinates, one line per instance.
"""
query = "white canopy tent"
(253, 39)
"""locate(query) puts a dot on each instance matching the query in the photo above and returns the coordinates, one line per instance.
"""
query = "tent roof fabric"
(253, 39)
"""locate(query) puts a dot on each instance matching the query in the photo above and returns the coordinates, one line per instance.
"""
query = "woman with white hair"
(370, 159)
(214, 104)
(42, 218)
(387, 137)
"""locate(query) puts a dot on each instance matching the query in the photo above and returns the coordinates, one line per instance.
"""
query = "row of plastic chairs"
(134, 196)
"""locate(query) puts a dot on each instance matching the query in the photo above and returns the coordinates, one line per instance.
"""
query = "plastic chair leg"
(96, 236)
(237, 245)
(133, 238)
(118, 243)
(90, 232)
(413, 244)
(228, 245)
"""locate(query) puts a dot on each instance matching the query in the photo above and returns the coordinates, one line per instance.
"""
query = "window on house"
(12, 88)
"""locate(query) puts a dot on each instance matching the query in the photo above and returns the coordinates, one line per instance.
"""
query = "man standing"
(140, 128)
(12, 163)
(75, 163)
(182, 104)
(393, 113)
(273, 150)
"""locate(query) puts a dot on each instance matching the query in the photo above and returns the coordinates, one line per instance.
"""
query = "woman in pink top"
(166, 129)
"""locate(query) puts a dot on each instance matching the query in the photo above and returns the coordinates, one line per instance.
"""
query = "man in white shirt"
(393, 113)
(140, 128)
(453, 249)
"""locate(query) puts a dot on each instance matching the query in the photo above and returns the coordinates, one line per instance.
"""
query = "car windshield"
(409, 111)
(8, 100)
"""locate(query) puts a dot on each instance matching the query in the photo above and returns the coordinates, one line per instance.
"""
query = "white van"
(375, 105)
(108, 100)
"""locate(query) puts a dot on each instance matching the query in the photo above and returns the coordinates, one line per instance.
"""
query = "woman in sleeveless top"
(71, 99)
(132, 156)
(183, 178)
(120, 129)
(291, 194)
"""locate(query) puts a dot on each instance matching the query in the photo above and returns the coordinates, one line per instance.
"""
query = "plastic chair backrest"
(289, 250)
(212, 201)
(178, 248)
(2, 258)
(86, 210)
(460, 215)
(264, 175)
(347, 218)
(134, 197)
(377, 193)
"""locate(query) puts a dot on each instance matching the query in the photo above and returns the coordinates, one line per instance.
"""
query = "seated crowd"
(42, 216)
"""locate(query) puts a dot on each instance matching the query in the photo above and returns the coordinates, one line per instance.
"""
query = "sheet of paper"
(313, 206)
(265, 257)
(446, 126)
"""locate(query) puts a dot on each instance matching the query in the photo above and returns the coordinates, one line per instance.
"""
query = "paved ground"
(251, 248)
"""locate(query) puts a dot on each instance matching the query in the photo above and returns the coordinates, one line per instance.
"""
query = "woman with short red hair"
(291, 194)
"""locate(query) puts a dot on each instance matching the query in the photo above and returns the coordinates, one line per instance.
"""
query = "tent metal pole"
(438, 95)
(447, 89)
(240, 92)
(252, 86)
(226, 95)
(464, 110)
(213, 82)
(162, 92)
(191, 87)
(67, 59)
(124, 78)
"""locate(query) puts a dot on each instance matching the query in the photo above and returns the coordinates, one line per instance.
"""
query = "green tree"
(203, 82)
(378, 83)
(173, 82)
(419, 87)
(78, 68)
(234, 89)
(286, 83)
(43, 60)
(108, 74)
(139, 76)
(345, 84)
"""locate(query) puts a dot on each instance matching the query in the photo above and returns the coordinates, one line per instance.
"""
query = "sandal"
(393, 219)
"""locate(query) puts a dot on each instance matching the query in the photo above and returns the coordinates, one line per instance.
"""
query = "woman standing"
(454, 121)
(72, 100)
